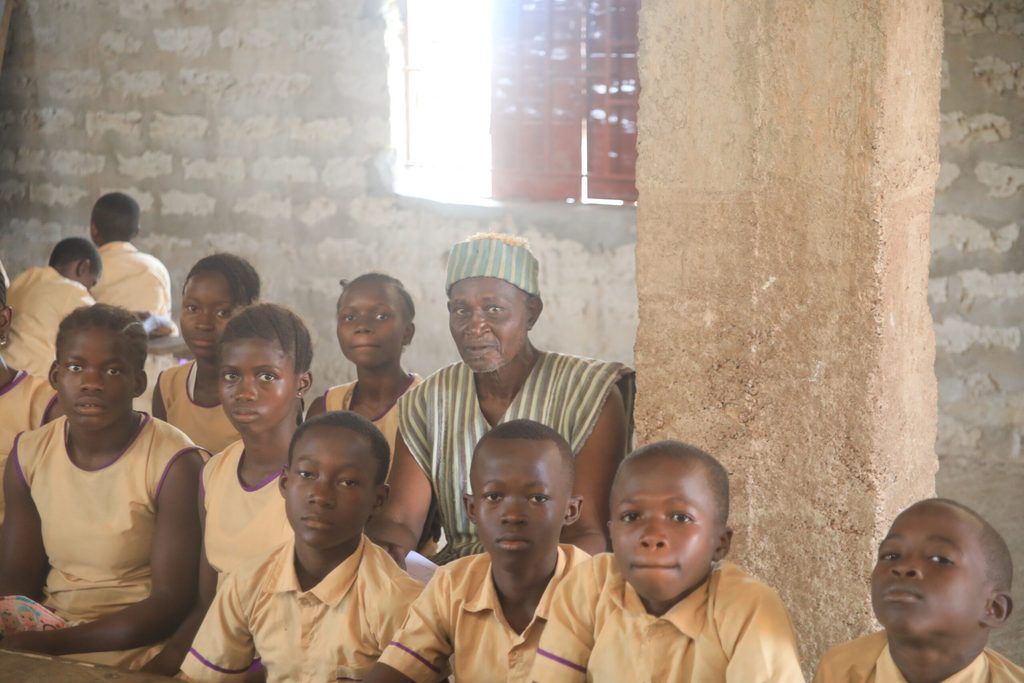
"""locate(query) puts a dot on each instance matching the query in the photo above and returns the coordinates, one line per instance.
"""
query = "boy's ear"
(573, 507)
(469, 503)
(997, 609)
(282, 481)
(724, 543)
(410, 332)
(382, 493)
(52, 375)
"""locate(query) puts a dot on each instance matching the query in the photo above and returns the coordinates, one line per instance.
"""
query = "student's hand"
(155, 325)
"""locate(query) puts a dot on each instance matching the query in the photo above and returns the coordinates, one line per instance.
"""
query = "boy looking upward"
(939, 587)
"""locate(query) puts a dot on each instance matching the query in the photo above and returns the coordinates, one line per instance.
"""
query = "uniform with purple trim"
(208, 426)
(98, 551)
(243, 524)
(24, 404)
(457, 627)
(868, 660)
(732, 628)
(334, 631)
(340, 398)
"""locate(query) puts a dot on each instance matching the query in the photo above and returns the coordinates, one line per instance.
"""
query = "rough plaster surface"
(782, 264)
(261, 127)
(977, 272)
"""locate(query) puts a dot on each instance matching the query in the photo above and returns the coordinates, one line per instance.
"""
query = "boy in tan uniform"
(481, 617)
(664, 606)
(941, 584)
(42, 297)
(324, 605)
(133, 280)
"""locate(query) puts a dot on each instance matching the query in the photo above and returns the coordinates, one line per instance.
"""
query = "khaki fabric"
(242, 524)
(732, 628)
(334, 631)
(24, 404)
(98, 551)
(207, 426)
(457, 626)
(340, 398)
(41, 298)
(868, 660)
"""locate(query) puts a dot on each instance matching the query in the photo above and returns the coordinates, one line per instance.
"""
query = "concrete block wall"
(976, 286)
(261, 127)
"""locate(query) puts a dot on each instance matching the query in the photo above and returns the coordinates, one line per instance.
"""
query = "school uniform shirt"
(24, 404)
(98, 526)
(340, 398)
(731, 629)
(243, 523)
(41, 298)
(457, 626)
(868, 660)
(207, 426)
(334, 631)
(133, 280)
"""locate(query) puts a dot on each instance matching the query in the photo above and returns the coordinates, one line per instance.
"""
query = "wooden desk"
(23, 667)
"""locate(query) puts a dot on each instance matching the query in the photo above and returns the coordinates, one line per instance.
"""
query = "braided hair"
(276, 324)
(388, 281)
(112, 318)
(243, 280)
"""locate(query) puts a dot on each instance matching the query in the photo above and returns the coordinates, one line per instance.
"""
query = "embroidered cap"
(491, 254)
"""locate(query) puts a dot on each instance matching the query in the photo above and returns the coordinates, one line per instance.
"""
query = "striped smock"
(441, 422)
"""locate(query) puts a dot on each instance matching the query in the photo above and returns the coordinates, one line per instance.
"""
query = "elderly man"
(493, 303)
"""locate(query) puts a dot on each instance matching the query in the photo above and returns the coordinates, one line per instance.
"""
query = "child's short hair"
(532, 430)
(718, 478)
(71, 249)
(3, 293)
(356, 423)
(242, 278)
(115, 217)
(112, 318)
(272, 323)
(998, 560)
(381, 278)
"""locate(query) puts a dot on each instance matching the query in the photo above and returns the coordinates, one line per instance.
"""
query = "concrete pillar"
(788, 155)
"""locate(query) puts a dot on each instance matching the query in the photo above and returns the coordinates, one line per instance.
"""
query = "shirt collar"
(688, 615)
(886, 670)
(487, 598)
(333, 588)
(114, 247)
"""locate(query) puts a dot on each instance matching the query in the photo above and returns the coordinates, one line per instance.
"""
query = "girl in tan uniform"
(375, 324)
(26, 401)
(264, 359)
(188, 396)
(102, 521)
